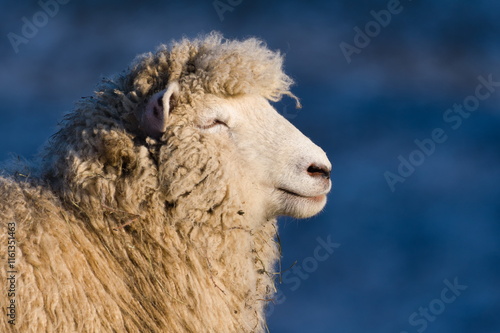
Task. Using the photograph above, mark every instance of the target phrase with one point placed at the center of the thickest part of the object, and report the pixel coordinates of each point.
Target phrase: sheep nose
(319, 170)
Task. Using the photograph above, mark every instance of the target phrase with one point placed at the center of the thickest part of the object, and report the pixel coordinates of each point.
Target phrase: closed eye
(213, 124)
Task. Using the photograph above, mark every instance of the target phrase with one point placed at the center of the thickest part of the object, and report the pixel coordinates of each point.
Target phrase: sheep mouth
(299, 196)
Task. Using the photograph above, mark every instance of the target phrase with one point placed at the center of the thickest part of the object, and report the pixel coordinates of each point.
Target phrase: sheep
(154, 206)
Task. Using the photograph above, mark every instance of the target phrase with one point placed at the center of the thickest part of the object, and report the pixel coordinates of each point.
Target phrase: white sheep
(154, 206)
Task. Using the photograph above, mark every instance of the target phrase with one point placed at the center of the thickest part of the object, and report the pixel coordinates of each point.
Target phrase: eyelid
(213, 124)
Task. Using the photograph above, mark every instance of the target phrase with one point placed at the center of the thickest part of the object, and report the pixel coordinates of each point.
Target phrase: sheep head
(215, 94)
(278, 169)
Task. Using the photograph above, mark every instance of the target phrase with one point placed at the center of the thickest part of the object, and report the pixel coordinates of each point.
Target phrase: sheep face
(280, 161)
(280, 170)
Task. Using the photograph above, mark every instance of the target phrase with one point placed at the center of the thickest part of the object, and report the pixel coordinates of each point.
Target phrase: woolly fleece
(119, 232)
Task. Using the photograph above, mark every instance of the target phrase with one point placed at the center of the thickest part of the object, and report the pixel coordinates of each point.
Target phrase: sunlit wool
(121, 230)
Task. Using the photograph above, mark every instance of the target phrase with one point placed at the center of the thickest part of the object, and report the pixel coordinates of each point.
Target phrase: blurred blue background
(394, 247)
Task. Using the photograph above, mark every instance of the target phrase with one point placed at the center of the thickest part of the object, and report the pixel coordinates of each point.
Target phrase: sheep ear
(155, 116)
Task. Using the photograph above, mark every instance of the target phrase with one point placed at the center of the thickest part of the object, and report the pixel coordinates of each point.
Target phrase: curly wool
(124, 233)
(215, 65)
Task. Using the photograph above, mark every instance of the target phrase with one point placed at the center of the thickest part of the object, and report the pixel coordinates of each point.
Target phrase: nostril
(316, 170)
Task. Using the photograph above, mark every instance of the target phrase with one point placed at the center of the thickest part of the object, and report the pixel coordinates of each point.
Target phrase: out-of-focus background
(404, 97)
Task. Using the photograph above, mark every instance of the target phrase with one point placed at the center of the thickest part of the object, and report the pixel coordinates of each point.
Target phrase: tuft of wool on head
(215, 65)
